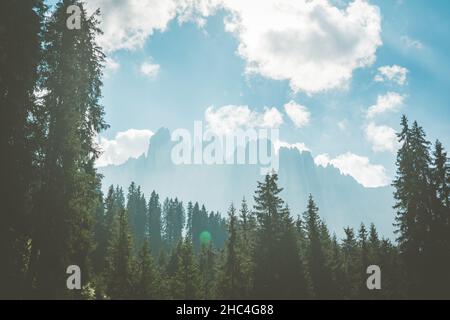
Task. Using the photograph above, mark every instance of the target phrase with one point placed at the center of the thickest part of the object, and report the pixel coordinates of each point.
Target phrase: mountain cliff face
(342, 201)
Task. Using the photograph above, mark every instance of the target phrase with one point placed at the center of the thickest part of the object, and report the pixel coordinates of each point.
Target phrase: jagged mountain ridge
(342, 201)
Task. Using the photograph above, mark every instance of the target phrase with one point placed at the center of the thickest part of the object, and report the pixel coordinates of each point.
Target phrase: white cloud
(322, 160)
(299, 114)
(313, 44)
(392, 73)
(128, 23)
(149, 69)
(300, 146)
(127, 144)
(227, 119)
(272, 118)
(360, 168)
(382, 138)
(391, 101)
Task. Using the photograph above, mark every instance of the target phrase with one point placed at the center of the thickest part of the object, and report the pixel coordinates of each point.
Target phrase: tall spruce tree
(100, 238)
(278, 269)
(68, 198)
(120, 260)
(439, 255)
(186, 281)
(363, 262)
(316, 255)
(21, 25)
(207, 267)
(147, 281)
(351, 268)
(174, 221)
(154, 224)
(231, 281)
(105, 229)
(137, 210)
(414, 199)
(247, 232)
(337, 269)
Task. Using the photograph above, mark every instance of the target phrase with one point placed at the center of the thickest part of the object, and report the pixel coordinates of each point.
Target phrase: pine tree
(190, 212)
(21, 25)
(316, 256)
(351, 268)
(337, 270)
(392, 275)
(174, 220)
(441, 175)
(374, 245)
(278, 269)
(120, 260)
(147, 283)
(414, 198)
(247, 232)
(439, 255)
(363, 262)
(100, 237)
(231, 281)
(207, 267)
(291, 274)
(247, 223)
(301, 236)
(186, 281)
(137, 210)
(67, 199)
(164, 284)
(154, 223)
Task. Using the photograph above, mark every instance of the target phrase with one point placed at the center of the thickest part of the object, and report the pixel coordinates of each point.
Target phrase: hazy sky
(334, 76)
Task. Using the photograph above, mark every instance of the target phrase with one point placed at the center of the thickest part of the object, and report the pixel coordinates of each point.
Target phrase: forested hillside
(131, 245)
(342, 200)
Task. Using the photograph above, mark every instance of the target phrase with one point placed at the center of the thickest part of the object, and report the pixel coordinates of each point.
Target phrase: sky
(334, 76)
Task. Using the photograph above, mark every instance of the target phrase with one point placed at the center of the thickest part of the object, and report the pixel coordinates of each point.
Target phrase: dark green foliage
(207, 267)
(422, 215)
(173, 222)
(119, 274)
(231, 279)
(154, 224)
(54, 214)
(185, 280)
(68, 190)
(278, 269)
(351, 268)
(200, 223)
(20, 135)
(147, 281)
(316, 256)
(137, 211)
(247, 230)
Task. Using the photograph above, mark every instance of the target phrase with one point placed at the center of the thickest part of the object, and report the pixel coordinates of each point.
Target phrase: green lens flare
(205, 237)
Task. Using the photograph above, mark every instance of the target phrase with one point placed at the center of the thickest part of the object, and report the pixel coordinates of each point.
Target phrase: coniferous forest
(131, 245)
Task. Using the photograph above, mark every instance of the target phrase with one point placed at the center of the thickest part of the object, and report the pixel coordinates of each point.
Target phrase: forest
(134, 246)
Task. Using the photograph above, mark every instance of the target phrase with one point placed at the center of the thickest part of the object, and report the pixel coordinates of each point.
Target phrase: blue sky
(193, 61)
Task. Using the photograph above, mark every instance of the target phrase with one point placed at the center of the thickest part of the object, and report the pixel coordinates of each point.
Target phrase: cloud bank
(359, 167)
(313, 44)
(126, 144)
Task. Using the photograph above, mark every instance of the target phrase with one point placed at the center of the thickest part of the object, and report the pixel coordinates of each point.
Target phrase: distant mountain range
(341, 200)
